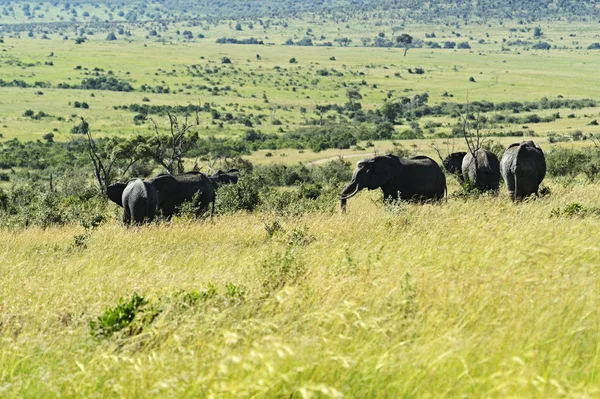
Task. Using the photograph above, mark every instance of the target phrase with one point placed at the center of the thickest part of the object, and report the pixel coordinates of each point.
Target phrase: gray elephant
(411, 179)
(139, 198)
(190, 186)
(523, 168)
(482, 170)
(219, 177)
(453, 164)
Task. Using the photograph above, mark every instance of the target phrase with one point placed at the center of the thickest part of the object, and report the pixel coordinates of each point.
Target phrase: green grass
(476, 298)
(527, 76)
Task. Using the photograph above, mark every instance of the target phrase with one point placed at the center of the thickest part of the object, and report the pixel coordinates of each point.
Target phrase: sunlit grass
(476, 298)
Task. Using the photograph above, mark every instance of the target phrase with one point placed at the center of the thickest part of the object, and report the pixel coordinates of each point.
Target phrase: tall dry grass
(473, 298)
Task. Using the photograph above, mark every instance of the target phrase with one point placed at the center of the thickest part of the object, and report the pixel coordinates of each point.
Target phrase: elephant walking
(187, 187)
(411, 179)
(482, 170)
(453, 164)
(523, 168)
(139, 199)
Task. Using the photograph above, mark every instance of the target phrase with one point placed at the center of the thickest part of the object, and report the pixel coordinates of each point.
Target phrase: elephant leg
(126, 216)
(510, 181)
(151, 213)
(167, 211)
(523, 187)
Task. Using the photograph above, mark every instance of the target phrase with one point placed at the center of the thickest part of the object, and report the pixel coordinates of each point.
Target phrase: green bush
(115, 319)
(566, 162)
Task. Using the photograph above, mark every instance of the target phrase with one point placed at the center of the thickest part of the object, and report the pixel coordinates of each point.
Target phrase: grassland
(517, 75)
(476, 298)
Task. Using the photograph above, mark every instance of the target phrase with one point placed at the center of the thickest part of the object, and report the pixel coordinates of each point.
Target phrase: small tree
(111, 36)
(405, 40)
(471, 127)
(170, 148)
(114, 156)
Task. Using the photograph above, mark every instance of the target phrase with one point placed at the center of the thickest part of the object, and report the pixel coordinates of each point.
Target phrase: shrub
(566, 162)
(541, 46)
(243, 196)
(280, 270)
(106, 83)
(117, 318)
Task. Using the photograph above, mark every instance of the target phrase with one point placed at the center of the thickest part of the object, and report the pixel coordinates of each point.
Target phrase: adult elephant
(139, 199)
(411, 179)
(219, 177)
(193, 187)
(523, 168)
(453, 164)
(482, 170)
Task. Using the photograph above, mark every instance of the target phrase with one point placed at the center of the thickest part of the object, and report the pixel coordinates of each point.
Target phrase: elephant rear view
(523, 168)
(138, 199)
(411, 179)
(482, 170)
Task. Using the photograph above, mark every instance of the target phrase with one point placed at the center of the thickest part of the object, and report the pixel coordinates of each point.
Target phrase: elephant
(219, 177)
(482, 170)
(190, 186)
(139, 198)
(453, 164)
(523, 168)
(415, 179)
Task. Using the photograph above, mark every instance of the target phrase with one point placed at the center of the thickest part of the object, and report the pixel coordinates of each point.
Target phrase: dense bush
(232, 40)
(286, 189)
(34, 204)
(106, 83)
(572, 162)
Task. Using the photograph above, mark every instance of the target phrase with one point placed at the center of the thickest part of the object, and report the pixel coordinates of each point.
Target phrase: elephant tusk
(351, 195)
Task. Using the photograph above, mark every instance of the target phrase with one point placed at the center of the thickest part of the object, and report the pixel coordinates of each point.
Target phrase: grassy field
(499, 76)
(473, 298)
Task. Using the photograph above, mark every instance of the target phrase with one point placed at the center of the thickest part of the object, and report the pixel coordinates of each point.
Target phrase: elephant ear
(115, 193)
(381, 170)
(165, 185)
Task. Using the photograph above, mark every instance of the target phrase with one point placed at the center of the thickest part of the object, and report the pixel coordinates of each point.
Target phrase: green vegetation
(279, 294)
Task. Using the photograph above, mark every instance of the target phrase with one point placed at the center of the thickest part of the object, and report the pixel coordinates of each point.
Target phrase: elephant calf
(523, 168)
(411, 179)
(482, 170)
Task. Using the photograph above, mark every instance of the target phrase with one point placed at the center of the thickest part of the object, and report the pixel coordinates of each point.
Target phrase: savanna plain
(278, 293)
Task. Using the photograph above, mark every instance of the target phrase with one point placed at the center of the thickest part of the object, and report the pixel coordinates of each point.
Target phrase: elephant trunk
(350, 191)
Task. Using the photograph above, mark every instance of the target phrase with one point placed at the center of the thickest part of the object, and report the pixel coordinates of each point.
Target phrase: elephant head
(453, 164)
(220, 177)
(114, 192)
(371, 174)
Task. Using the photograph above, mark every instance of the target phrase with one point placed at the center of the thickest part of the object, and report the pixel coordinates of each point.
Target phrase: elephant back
(530, 160)
(483, 169)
